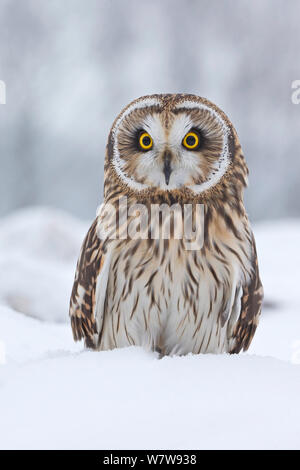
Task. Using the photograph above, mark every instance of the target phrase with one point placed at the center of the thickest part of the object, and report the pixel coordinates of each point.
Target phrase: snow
(56, 395)
(278, 334)
(38, 253)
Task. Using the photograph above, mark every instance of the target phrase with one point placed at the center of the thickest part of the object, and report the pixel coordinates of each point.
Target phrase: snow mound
(278, 333)
(28, 339)
(38, 253)
(128, 398)
(279, 260)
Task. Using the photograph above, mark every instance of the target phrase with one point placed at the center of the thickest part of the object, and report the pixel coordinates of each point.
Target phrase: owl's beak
(167, 165)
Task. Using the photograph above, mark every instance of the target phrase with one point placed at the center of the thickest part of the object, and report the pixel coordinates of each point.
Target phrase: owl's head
(171, 142)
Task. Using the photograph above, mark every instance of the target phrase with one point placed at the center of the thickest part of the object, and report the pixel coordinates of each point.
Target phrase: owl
(136, 284)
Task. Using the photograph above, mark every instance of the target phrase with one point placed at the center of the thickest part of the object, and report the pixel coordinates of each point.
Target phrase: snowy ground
(53, 394)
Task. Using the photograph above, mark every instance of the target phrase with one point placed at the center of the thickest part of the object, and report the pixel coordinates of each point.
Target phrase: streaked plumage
(154, 292)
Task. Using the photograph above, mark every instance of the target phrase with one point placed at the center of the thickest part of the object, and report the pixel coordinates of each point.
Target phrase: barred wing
(251, 301)
(87, 302)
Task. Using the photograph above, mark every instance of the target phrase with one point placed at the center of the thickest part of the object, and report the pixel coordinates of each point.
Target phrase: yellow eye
(145, 141)
(191, 140)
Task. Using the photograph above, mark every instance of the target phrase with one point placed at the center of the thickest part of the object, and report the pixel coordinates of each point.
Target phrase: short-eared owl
(136, 287)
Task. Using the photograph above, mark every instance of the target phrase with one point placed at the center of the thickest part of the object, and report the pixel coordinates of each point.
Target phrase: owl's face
(170, 142)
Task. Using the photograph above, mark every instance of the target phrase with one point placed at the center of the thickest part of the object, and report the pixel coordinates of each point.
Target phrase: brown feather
(82, 300)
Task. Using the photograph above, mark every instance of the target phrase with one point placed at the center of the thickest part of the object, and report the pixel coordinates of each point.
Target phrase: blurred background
(71, 65)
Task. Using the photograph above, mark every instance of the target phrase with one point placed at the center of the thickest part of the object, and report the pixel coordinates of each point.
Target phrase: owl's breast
(179, 300)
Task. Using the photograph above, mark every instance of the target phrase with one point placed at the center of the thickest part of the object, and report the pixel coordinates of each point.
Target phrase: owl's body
(157, 291)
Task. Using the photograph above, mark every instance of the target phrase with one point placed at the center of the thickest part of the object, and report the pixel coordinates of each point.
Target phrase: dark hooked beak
(167, 165)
